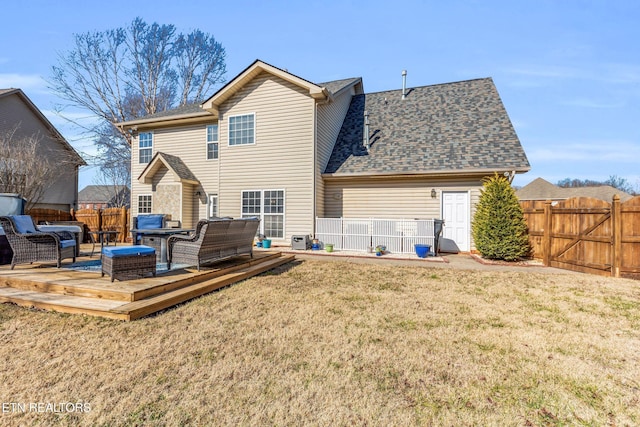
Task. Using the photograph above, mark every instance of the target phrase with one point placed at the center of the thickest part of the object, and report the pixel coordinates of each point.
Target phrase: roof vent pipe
(404, 84)
(366, 131)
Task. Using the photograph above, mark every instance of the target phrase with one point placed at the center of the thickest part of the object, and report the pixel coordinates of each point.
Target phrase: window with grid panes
(268, 205)
(144, 204)
(242, 129)
(145, 147)
(212, 142)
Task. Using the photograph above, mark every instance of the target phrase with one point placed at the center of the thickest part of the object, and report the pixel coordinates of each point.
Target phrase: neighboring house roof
(57, 135)
(101, 193)
(540, 189)
(175, 164)
(445, 128)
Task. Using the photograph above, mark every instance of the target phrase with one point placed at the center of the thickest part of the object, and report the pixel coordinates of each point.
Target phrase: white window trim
(153, 138)
(262, 213)
(255, 133)
(138, 202)
(207, 142)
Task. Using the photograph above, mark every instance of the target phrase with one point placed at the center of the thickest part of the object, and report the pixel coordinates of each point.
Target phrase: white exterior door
(455, 213)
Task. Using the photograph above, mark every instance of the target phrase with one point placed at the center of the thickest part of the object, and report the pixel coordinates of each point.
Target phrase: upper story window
(242, 129)
(212, 142)
(145, 147)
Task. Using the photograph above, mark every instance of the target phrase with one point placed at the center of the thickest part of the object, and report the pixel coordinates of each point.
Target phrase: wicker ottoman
(128, 262)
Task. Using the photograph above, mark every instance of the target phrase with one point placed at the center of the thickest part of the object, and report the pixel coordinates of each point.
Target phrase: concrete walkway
(457, 261)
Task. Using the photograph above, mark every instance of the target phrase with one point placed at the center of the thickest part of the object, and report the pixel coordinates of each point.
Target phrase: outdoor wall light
(197, 193)
(433, 193)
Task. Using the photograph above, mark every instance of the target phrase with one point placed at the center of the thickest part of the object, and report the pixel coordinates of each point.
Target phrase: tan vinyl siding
(188, 143)
(394, 198)
(63, 191)
(282, 156)
(189, 204)
(329, 121)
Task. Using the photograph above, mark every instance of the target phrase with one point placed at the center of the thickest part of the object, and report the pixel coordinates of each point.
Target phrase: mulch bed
(520, 263)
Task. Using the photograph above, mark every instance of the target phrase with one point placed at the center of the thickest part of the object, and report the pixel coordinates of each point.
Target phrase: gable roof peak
(253, 70)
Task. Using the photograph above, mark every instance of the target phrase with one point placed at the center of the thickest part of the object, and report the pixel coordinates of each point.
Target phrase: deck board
(82, 292)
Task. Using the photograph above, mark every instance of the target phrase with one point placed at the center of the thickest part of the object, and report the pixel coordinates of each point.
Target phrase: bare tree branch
(127, 73)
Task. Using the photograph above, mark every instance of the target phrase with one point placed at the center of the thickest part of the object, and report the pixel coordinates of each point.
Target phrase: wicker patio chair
(30, 245)
(146, 221)
(213, 241)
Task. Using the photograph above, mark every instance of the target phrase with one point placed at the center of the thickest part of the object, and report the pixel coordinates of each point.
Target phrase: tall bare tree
(28, 167)
(133, 71)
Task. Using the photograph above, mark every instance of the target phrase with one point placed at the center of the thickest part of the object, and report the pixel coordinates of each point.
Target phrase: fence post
(99, 213)
(546, 234)
(123, 224)
(616, 241)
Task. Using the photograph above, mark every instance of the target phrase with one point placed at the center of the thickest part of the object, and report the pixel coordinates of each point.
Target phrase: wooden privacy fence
(45, 215)
(114, 219)
(586, 235)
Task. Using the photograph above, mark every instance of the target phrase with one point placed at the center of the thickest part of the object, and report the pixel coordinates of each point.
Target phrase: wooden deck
(80, 292)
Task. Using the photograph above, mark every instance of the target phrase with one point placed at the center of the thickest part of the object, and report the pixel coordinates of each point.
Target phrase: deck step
(141, 308)
(92, 285)
(126, 310)
(62, 303)
(202, 276)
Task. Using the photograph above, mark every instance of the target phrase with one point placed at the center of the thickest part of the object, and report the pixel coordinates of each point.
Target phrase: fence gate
(580, 237)
(587, 235)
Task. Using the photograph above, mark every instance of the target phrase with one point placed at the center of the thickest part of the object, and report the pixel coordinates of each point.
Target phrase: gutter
(419, 174)
(167, 119)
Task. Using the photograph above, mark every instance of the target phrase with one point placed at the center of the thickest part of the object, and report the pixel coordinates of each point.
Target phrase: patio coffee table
(157, 238)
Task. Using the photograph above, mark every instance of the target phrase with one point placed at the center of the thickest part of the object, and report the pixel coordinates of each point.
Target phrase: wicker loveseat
(30, 245)
(213, 241)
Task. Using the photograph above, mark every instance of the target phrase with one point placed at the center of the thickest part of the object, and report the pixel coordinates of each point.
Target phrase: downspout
(315, 166)
(510, 175)
(218, 190)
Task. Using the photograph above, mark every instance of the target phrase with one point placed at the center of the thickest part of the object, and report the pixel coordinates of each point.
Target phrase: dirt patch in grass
(315, 343)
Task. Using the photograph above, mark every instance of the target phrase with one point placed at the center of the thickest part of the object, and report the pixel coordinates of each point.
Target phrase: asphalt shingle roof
(178, 111)
(441, 128)
(178, 166)
(332, 86)
(100, 193)
(336, 85)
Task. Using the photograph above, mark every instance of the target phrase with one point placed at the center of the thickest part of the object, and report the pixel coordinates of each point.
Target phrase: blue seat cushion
(24, 224)
(67, 243)
(150, 221)
(121, 251)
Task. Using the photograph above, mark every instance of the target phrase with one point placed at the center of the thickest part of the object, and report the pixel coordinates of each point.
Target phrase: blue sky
(568, 71)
